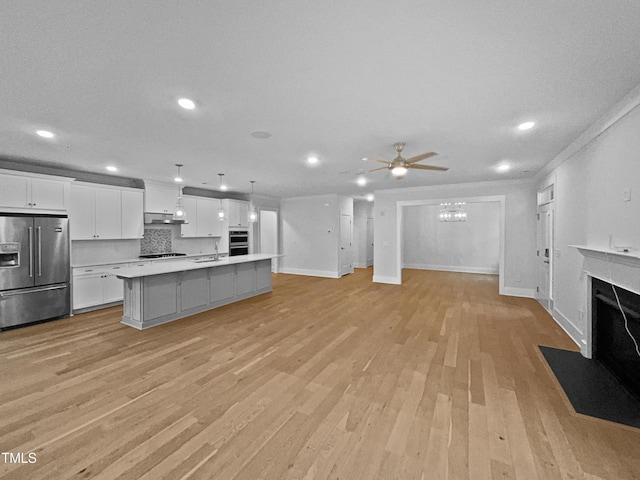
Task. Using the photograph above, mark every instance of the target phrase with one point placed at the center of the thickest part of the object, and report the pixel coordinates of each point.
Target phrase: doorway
(437, 201)
(369, 241)
(269, 235)
(346, 262)
(544, 248)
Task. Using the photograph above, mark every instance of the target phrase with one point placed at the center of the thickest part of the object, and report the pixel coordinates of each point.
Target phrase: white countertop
(185, 265)
(138, 259)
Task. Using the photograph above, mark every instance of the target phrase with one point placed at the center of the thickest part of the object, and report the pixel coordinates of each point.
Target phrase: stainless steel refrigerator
(34, 268)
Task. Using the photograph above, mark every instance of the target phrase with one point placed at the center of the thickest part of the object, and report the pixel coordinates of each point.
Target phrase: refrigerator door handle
(13, 293)
(39, 240)
(30, 252)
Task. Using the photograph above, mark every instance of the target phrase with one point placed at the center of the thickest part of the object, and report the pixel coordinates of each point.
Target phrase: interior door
(346, 264)
(545, 256)
(369, 242)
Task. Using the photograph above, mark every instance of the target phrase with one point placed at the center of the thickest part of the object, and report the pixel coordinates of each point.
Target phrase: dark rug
(591, 388)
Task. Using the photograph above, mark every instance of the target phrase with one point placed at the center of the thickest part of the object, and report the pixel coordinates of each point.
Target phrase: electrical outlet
(581, 314)
(626, 195)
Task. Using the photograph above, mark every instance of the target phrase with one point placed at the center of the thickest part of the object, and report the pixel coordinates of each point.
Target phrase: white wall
(311, 234)
(519, 225)
(362, 210)
(589, 205)
(268, 232)
(470, 246)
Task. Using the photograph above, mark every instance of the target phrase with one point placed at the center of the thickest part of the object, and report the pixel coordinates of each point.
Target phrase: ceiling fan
(399, 165)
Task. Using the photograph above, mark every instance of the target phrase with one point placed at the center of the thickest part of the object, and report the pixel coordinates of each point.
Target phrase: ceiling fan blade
(367, 159)
(376, 169)
(428, 167)
(424, 156)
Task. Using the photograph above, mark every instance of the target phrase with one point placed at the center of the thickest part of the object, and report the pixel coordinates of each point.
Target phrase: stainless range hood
(161, 219)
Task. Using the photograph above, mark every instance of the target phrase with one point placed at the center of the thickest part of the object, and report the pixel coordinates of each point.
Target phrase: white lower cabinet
(87, 291)
(94, 286)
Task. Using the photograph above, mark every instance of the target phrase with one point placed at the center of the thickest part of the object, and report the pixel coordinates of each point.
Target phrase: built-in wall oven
(238, 242)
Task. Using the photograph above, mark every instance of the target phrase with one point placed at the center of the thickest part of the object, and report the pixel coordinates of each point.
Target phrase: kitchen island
(163, 292)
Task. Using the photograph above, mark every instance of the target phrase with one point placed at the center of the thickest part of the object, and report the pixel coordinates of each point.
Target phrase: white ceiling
(340, 79)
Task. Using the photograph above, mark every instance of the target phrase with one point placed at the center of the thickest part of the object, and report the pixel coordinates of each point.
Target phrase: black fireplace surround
(612, 345)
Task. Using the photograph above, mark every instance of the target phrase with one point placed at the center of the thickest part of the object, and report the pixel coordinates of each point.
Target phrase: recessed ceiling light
(503, 167)
(187, 103)
(262, 135)
(526, 126)
(361, 181)
(312, 160)
(370, 197)
(45, 133)
(111, 168)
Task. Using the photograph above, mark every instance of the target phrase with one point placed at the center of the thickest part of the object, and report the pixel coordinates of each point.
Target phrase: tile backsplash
(155, 240)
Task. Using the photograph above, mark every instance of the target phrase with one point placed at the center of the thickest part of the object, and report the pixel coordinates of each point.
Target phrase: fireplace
(612, 344)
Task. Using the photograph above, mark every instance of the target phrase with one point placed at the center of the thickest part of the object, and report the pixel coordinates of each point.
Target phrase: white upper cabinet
(202, 215)
(189, 229)
(160, 198)
(34, 192)
(238, 212)
(208, 224)
(82, 212)
(132, 214)
(105, 213)
(108, 213)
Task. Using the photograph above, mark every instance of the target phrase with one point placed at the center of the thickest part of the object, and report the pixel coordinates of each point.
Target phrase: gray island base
(161, 293)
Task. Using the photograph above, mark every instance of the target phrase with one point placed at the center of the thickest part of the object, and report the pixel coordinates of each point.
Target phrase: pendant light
(253, 214)
(179, 212)
(222, 213)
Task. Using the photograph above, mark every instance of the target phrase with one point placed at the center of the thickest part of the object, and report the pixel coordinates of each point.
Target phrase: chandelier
(453, 212)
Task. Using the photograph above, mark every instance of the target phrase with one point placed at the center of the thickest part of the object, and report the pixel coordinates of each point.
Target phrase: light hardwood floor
(440, 378)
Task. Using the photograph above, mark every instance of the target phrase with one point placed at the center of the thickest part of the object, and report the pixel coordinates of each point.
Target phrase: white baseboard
(449, 268)
(309, 273)
(518, 292)
(570, 328)
(391, 280)
(359, 265)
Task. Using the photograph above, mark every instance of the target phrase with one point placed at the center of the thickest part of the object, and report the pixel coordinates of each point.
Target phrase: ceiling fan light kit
(399, 166)
(399, 172)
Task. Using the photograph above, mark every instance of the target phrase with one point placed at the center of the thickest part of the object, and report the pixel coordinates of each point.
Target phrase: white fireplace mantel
(621, 269)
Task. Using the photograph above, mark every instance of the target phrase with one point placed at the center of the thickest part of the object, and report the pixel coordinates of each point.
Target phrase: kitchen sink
(206, 260)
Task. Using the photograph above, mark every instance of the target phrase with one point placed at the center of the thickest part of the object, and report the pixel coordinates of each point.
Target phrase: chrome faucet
(215, 255)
